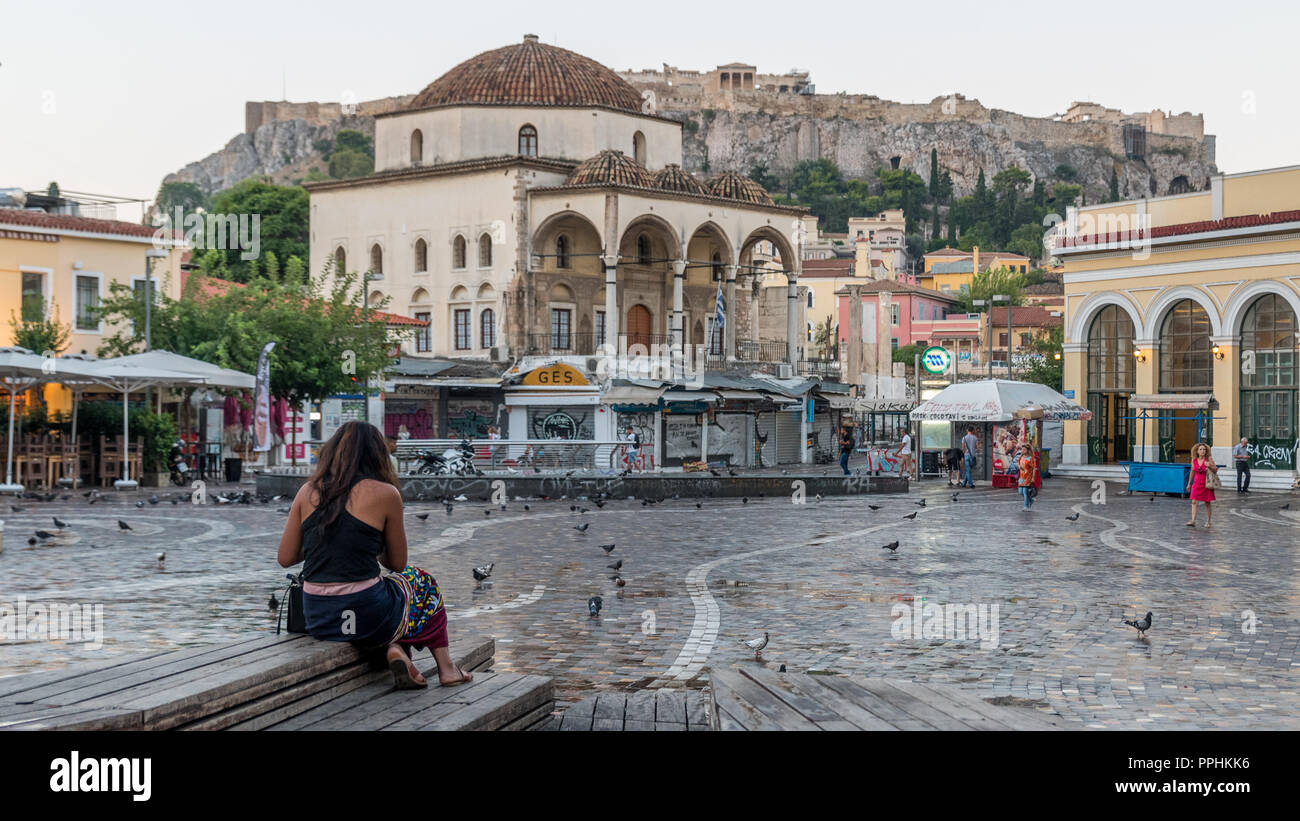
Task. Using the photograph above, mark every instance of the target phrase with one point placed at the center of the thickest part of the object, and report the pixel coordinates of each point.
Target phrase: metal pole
(989, 352)
(365, 399)
(1009, 339)
(148, 315)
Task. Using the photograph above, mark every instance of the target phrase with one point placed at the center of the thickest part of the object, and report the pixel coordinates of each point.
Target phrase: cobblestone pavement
(699, 581)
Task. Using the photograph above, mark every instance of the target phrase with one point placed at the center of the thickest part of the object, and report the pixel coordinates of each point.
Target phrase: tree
(934, 175)
(1113, 195)
(282, 212)
(760, 174)
(1050, 370)
(986, 284)
(38, 333)
(825, 339)
(187, 196)
(1027, 240)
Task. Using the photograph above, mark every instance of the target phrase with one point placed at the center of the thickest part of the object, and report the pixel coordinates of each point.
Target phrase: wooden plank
(12, 686)
(1016, 718)
(430, 706)
(640, 706)
(910, 704)
(532, 720)
(606, 725)
(634, 726)
(73, 718)
(579, 723)
(670, 706)
(872, 703)
(291, 700)
(518, 697)
(944, 702)
(696, 714)
(586, 707)
(756, 707)
(785, 688)
(727, 722)
(610, 707)
(672, 726)
(399, 706)
(846, 709)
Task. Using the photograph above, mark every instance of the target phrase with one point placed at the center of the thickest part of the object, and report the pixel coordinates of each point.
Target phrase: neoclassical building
(1185, 305)
(529, 201)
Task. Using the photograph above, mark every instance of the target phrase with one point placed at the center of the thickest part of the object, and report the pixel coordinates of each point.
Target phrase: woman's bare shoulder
(373, 489)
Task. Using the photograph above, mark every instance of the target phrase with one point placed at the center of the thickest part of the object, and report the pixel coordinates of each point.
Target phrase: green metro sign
(936, 360)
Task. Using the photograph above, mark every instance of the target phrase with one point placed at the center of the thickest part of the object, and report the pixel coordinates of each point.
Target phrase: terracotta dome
(610, 167)
(530, 73)
(673, 178)
(735, 186)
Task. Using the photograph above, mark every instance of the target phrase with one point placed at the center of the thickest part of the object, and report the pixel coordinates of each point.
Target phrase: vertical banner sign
(262, 408)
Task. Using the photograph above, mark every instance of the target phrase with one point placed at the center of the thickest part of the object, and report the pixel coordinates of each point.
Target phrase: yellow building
(949, 270)
(1182, 306)
(60, 266)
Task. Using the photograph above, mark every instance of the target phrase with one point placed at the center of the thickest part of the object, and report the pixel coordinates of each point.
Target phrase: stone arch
(655, 227)
(1159, 306)
(486, 291)
(1084, 314)
(789, 260)
(560, 292)
(420, 296)
(459, 293)
(1241, 299)
(572, 225)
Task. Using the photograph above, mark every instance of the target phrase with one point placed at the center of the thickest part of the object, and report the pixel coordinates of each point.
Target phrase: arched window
(1186, 364)
(421, 256)
(376, 259)
(528, 141)
(561, 251)
(643, 250)
(485, 251)
(715, 266)
(417, 147)
(1112, 376)
(1269, 376)
(638, 148)
(458, 252)
(1179, 185)
(487, 329)
(340, 260)
(810, 298)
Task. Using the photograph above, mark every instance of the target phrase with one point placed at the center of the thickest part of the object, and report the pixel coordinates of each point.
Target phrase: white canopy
(21, 370)
(996, 400)
(166, 361)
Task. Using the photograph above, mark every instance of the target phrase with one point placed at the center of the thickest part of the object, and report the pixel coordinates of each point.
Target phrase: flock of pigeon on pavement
(480, 573)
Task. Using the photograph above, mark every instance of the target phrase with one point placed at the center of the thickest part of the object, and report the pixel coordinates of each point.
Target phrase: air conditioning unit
(497, 354)
(784, 370)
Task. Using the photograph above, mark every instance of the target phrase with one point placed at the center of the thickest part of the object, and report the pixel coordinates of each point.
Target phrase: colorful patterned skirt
(404, 608)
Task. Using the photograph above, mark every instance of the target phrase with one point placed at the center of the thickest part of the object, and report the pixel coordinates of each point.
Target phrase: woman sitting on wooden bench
(345, 522)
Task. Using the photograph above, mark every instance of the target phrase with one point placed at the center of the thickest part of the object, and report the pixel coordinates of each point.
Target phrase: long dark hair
(356, 451)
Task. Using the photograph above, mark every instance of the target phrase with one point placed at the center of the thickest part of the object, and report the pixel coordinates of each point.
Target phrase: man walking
(846, 448)
(1241, 455)
(969, 444)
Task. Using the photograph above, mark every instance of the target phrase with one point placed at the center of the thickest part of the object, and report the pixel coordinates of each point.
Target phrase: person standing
(969, 445)
(904, 453)
(1241, 455)
(1202, 468)
(1027, 475)
(633, 448)
(953, 461)
(494, 434)
(846, 448)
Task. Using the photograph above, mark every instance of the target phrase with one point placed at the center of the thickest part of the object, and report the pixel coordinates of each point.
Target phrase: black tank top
(348, 553)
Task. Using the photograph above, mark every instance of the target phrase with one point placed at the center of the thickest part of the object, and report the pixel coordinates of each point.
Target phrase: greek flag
(720, 314)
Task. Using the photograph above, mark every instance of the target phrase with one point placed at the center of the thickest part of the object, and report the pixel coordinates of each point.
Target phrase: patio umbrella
(21, 370)
(997, 400)
(213, 375)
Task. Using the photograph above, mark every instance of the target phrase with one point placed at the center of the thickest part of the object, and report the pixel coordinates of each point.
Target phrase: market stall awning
(996, 400)
(838, 401)
(740, 395)
(1174, 401)
(689, 396)
(883, 405)
(632, 395)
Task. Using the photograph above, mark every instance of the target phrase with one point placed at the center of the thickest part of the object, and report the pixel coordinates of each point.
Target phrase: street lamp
(988, 352)
(149, 256)
(367, 278)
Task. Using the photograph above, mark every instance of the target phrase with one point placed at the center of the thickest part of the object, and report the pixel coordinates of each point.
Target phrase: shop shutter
(787, 436)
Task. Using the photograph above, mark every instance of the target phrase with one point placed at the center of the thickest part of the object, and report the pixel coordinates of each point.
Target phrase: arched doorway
(1186, 366)
(1111, 380)
(1269, 376)
(639, 326)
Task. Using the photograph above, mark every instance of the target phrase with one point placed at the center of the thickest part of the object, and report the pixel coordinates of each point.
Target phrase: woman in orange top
(1028, 468)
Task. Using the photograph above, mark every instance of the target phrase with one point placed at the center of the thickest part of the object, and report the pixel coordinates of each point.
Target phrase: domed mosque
(530, 202)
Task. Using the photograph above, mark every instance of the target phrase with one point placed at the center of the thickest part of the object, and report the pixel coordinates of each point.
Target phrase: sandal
(405, 676)
(465, 678)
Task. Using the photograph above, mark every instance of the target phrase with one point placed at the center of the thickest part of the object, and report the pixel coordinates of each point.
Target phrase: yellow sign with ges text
(558, 375)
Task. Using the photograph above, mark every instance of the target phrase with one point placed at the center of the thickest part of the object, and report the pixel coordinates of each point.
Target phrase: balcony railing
(819, 367)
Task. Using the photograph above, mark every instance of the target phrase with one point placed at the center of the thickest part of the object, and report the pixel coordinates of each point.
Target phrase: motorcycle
(180, 473)
(457, 461)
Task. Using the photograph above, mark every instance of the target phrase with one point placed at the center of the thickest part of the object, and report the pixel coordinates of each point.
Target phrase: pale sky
(110, 97)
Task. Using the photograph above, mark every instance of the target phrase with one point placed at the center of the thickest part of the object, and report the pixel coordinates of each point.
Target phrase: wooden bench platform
(643, 710)
(757, 699)
(258, 682)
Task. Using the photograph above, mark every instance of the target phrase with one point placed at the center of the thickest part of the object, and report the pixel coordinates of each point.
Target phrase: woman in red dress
(1202, 466)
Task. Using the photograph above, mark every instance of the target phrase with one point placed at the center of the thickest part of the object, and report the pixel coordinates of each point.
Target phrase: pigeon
(60, 524)
(1286, 506)
(582, 528)
(153, 500)
(920, 503)
(527, 508)
(782, 670)
(121, 525)
(481, 573)
(608, 548)
(1073, 518)
(283, 509)
(911, 515)
(580, 510)
(44, 534)
(892, 546)
(273, 604)
(745, 500)
(31, 540)
(593, 606)
(1142, 626)
(487, 513)
(618, 580)
(715, 473)
(819, 497)
(874, 507)
(503, 508)
(698, 505)
(731, 472)
(618, 565)
(954, 496)
(757, 646)
(16, 508)
(449, 509)
(422, 516)
(162, 557)
(572, 508)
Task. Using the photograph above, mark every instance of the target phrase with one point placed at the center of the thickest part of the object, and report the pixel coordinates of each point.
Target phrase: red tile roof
(1182, 228)
(834, 267)
(64, 222)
